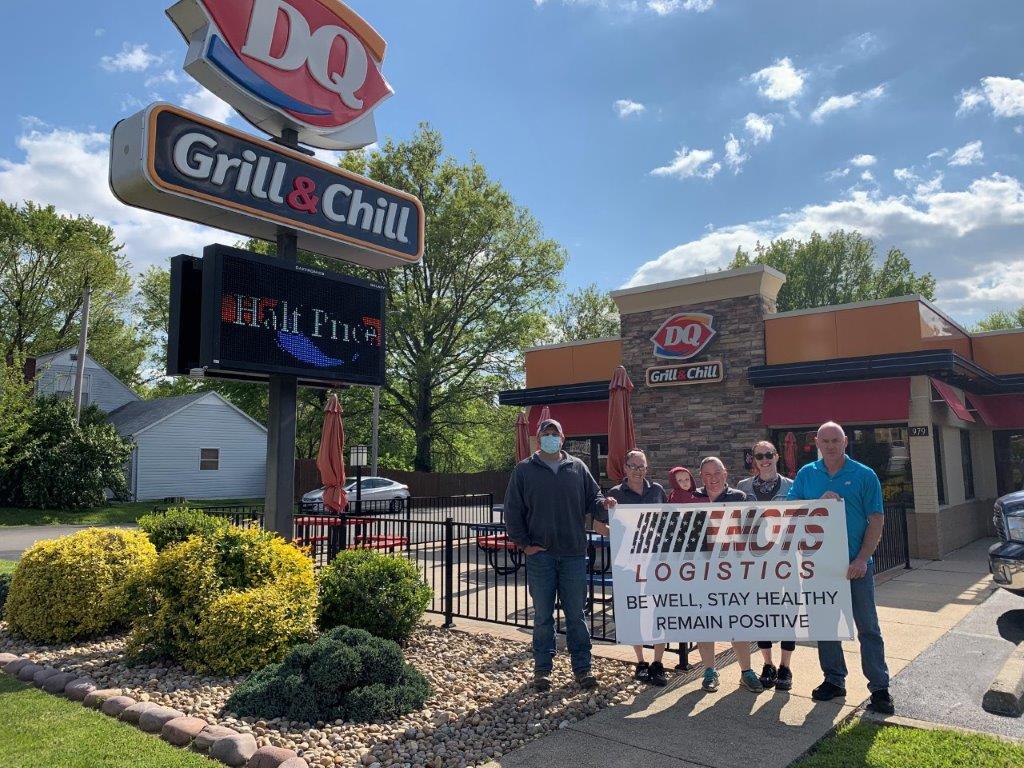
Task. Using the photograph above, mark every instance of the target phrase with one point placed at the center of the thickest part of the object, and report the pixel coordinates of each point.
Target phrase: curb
(237, 748)
(1006, 694)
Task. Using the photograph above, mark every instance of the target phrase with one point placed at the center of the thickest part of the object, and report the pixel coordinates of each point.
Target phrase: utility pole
(374, 441)
(83, 337)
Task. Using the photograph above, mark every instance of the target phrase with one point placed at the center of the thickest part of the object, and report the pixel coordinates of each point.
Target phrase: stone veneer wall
(680, 425)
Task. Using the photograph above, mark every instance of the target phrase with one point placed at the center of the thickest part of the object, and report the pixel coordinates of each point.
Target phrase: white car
(374, 489)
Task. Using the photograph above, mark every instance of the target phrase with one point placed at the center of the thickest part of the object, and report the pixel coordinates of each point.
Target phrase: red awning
(850, 402)
(577, 419)
(999, 411)
(948, 394)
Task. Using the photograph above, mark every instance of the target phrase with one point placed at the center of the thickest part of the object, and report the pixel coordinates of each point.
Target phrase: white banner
(740, 571)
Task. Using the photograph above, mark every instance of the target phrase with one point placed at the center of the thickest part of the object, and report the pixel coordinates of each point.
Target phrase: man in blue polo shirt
(836, 476)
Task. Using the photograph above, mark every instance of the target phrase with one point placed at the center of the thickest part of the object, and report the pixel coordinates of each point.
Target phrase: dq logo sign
(683, 336)
(311, 65)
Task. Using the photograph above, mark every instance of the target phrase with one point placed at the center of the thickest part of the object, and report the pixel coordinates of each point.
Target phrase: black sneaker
(643, 669)
(657, 675)
(542, 681)
(828, 691)
(586, 680)
(881, 703)
(769, 676)
(784, 682)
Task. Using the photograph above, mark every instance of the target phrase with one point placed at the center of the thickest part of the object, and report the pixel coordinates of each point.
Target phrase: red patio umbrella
(789, 448)
(621, 434)
(522, 436)
(331, 459)
(545, 413)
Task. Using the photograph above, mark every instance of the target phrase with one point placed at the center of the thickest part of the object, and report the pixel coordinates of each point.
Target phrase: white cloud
(658, 7)
(734, 156)
(847, 101)
(690, 162)
(972, 240)
(926, 188)
(867, 176)
(837, 173)
(906, 175)
(759, 127)
(626, 108)
(863, 161)
(69, 170)
(665, 7)
(781, 81)
(208, 105)
(132, 58)
(937, 154)
(1004, 95)
(969, 154)
(168, 77)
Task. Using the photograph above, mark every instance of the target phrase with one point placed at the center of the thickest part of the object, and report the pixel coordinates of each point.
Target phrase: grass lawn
(868, 744)
(7, 566)
(124, 513)
(39, 730)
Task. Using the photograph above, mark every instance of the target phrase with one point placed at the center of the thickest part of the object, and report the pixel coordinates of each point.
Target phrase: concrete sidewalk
(681, 726)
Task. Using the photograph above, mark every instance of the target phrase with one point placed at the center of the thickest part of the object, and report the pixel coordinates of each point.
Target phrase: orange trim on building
(574, 363)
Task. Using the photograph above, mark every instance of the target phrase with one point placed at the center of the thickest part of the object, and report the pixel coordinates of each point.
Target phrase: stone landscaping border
(218, 742)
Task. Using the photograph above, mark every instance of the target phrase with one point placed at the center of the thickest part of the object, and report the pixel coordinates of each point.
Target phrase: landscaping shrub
(85, 584)
(382, 594)
(228, 602)
(5, 587)
(178, 524)
(347, 674)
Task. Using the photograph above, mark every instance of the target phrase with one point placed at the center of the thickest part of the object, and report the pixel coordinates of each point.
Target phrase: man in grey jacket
(548, 498)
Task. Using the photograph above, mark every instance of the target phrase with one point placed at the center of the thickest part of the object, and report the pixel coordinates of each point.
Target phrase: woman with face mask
(769, 485)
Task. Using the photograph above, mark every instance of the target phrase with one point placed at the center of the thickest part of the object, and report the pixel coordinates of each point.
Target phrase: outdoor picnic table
(492, 539)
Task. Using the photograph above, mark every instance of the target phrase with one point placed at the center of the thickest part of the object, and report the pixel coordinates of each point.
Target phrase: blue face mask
(550, 443)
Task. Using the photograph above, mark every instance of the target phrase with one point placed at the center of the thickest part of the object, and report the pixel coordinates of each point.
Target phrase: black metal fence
(894, 548)
(241, 515)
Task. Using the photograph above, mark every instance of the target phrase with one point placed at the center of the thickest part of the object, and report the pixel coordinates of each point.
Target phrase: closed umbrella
(522, 436)
(621, 434)
(789, 446)
(331, 458)
(545, 413)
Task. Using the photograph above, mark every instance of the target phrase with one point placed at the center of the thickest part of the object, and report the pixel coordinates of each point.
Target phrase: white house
(197, 446)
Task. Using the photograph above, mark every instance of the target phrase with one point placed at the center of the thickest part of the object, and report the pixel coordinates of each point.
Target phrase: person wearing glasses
(716, 488)
(637, 489)
(769, 485)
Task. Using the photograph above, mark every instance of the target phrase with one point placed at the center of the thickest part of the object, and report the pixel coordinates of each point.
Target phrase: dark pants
(869, 634)
(551, 576)
(787, 645)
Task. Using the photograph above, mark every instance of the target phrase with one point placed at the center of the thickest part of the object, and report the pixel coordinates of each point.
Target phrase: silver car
(375, 491)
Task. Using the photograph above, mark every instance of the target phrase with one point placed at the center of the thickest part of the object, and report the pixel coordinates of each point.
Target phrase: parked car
(1006, 559)
(375, 490)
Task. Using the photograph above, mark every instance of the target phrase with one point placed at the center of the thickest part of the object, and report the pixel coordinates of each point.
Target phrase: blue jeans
(872, 648)
(566, 577)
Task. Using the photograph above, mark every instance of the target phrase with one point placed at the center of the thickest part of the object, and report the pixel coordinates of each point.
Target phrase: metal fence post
(906, 536)
(449, 569)
(407, 503)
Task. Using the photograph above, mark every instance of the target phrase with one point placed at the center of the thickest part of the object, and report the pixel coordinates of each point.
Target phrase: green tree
(15, 409)
(585, 313)
(46, 259)
(1002, 320)
(837, 269)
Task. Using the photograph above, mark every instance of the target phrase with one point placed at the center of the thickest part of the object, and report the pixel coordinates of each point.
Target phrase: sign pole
(283, 396)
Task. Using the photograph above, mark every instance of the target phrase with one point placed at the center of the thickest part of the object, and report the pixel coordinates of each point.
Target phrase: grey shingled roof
(134, 417)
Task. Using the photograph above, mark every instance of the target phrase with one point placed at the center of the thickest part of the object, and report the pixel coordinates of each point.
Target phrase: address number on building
(918, 431)
(708, 372)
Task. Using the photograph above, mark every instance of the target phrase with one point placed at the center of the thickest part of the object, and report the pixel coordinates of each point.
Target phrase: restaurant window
(1009, 450)
(592, 451)
(968, 465)
(884, 448)
(209, 458)
(940, 480)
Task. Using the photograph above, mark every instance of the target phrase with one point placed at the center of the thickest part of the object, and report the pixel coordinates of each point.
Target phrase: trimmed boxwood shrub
(178, 524)
(383, 594)
(5, 586)
(78, 586)
(229, 602)
(347, 674)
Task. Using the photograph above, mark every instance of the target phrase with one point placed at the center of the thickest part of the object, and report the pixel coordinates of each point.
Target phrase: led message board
(237, 314)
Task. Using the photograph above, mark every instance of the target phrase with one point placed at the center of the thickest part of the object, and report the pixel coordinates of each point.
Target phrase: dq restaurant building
(936, 411)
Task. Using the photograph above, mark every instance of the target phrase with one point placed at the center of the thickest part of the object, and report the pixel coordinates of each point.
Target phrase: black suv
(1006, 559)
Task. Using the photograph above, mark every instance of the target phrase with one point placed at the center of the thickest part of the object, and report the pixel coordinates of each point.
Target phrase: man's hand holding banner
(741, 571)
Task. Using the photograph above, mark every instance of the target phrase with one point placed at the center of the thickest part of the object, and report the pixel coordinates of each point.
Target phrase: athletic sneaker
(785, 679)
(643, 669)
(750, 681)
(769, 676)
(542, 681)
(881, 702)
(710, 681)
(828, 691)
(586, 680)
(657, 675)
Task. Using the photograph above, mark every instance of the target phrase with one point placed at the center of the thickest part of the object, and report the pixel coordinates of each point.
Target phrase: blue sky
(650, 138)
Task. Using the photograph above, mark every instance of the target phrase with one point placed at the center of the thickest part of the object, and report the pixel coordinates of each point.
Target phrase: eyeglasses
(763, 456)
(636, 468)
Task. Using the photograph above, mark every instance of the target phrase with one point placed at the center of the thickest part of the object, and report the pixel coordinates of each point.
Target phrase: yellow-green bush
(228, 602)
(81, 585)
